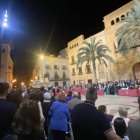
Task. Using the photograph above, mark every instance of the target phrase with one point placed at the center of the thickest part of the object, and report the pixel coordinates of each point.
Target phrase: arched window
(122, 17)
(88, 69)
(117, 19)
(112, 22)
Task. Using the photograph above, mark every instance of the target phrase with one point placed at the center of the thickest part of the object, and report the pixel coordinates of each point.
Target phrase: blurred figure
(35, 95)
(74, 101)
(134, 127)
(69, 96)
(15, 96)
(102, 108)
(120, 128)
(88, 123)
(122, 112)
(7, 111)
(26, 124)
(60, 115)
(46, 104)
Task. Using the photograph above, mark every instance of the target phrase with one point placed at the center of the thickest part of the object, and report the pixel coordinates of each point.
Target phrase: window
(73, 71)
(117, 19)
(80, 70)
(72, 59)
(56, 76)
(47, 66)
(3, 50)
(122, 17)
(64, 76)
(88, 69)
(55, 67)
(112, 22)
(63, 67)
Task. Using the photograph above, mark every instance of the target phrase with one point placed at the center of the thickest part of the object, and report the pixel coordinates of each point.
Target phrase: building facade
(124, 67)
(6, 73)
(51, 70)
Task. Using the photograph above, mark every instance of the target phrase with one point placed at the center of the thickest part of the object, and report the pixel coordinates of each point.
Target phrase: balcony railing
(80, 73)
(88, 72)
(73, 74)
(73, 63)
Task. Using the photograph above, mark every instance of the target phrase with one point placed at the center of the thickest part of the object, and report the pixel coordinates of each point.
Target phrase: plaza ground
(112, 103)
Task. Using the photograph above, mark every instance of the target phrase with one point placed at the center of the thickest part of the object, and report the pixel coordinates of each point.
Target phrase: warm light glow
(41, 56)
(14, 80)
(22, 84)
(31, 80)
(36, 77)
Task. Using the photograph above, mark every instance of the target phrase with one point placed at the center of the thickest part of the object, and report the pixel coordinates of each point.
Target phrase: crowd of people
(43, 114)
(109, 87)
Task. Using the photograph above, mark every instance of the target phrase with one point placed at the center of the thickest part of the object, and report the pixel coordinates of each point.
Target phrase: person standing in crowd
(7, 111)
(134, 127)
(122, 112)
(89, 123)
(60, 116)
(46, 104)
(103, 109)
(26, 123)
(120, 128)
(69, 96)
(35, 95)
(74, 101)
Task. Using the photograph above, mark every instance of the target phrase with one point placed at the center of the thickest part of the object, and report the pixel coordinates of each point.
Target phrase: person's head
(120, 127)
(122, 111)
(15, 97)
(69, 93)
(4, 89)
(35, 95)
(27, 118)
(102, 108)
(61, 97)
(91, 94)
(75, 95)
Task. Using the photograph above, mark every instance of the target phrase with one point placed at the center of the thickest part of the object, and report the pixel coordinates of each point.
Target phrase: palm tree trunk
(94, 71)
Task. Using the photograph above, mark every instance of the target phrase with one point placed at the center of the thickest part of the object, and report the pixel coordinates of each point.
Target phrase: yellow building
(51, 70)
(6, 73)
(125, 67)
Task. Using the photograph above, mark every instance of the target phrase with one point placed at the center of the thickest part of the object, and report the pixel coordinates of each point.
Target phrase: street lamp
(4, 24)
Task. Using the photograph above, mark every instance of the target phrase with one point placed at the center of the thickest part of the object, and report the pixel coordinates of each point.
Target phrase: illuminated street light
(41, 56)
(5, 20)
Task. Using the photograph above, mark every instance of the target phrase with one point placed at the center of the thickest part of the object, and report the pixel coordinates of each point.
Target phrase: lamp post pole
(4, 24)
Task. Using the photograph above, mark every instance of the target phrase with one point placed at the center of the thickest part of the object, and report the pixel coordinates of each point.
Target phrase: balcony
(73, 74)
(73, 63)
(64, 68)
(80, 73)
(88, 72)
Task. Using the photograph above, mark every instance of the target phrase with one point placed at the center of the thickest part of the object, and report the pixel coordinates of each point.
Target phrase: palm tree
(92, 51)
(128, 35)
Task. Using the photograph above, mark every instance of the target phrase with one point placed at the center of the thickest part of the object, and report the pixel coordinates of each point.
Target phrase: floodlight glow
(5, 24)
(5, 20)
(6, 15)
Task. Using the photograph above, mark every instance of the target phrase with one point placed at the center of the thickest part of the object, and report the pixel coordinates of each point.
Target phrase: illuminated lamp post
(4, 24)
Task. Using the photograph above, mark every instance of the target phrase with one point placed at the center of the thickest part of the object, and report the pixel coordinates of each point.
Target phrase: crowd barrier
(129, 92)
(83, 91)
(121, 92)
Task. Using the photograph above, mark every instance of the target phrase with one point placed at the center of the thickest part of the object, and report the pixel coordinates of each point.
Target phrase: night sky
(48, 25)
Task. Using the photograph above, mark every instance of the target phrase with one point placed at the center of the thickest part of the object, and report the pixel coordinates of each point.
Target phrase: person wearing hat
(46, 104)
